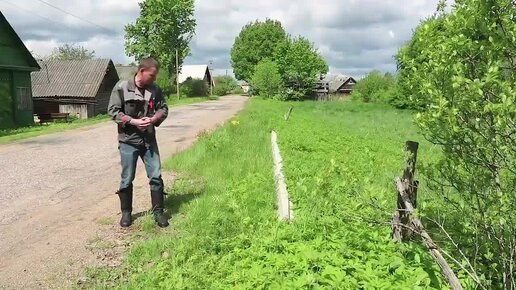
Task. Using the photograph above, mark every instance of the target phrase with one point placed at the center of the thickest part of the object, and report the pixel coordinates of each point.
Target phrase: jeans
(150, 155)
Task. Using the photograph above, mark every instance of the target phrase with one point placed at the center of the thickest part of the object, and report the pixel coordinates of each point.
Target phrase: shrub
(194, 88)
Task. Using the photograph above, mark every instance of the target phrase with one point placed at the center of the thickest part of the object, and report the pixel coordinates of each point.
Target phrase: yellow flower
(235, 122)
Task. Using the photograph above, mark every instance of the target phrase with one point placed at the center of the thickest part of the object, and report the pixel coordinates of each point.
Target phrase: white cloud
(353, 36)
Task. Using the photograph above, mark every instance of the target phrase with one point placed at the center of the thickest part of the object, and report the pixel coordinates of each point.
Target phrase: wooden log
(396, 227)
(427, 240)
(284, 205)
(410, 186)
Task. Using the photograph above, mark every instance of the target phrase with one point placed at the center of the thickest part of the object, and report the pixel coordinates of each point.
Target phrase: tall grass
(339, 160)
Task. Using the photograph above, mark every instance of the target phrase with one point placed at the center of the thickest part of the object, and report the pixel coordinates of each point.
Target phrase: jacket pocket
(134, 106)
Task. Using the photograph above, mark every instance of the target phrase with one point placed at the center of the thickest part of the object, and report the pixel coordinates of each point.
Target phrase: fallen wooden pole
(284, 204)
(427, 240)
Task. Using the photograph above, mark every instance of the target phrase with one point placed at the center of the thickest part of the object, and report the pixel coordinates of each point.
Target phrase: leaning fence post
(287, 114)
(403, 225)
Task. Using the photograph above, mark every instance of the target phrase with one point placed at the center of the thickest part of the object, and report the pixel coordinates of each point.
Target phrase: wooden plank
(284, 205)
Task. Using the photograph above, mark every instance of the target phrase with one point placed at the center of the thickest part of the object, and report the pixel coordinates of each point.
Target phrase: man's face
(148, 75)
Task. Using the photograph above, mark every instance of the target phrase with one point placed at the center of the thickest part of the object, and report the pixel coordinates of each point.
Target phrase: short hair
(147, 63)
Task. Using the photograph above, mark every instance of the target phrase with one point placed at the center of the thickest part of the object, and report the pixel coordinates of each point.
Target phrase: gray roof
(70, 78)
(126, 72)
(336, 81)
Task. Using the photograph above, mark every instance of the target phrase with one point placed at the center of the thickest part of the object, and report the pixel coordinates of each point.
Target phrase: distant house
(244, 85)
(126, 72)
(341, 84)
(200, 72)
(16, 64)
(79, 87)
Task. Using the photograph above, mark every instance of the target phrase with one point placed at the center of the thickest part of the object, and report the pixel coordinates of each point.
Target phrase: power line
(78, 17)
(31, 12)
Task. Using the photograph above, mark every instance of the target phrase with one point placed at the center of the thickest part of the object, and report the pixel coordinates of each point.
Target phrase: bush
(375, 88)
(194, 88)
(164, 81)
(266, 80)
(224, 85)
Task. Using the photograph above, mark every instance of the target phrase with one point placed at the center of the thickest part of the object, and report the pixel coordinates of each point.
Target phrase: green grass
(172, 100)
(339, 161)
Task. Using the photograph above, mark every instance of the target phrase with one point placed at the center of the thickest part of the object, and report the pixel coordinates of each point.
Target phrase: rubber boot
(126, 205)
(158, 205)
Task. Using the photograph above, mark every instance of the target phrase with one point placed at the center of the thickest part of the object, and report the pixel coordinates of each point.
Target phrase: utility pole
(177, 74)
(211, 78)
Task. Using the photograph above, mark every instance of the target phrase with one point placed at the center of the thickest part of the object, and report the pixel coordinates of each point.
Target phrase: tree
(256, 42)
(409, 60)
(299, 64)
(375, 87)
(266, 80)
(162, 27)
(462, 65)
(71, 52)
(224, 85)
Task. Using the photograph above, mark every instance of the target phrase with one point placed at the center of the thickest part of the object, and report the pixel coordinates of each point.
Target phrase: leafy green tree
(410, 94)
(375, 87)
(299, 64)
(266, 80)
(162, 27)
(256, 42)
(224, 85)
(462, 67)
(71, 52)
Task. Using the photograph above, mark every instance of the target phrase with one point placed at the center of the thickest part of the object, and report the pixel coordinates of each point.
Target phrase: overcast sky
(354, 36)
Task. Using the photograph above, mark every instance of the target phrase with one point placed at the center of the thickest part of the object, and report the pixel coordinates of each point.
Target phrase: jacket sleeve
(115, 108)
(161, 109)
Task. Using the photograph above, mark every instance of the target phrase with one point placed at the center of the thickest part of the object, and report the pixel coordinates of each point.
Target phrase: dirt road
(54, 189)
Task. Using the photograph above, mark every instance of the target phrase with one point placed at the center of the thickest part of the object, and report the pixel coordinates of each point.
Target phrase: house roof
(18, 51)
(126, 72)
(70, 78)
(193, 71)
(336, 81)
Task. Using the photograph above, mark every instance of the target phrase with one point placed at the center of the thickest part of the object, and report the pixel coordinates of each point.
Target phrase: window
(24, 98)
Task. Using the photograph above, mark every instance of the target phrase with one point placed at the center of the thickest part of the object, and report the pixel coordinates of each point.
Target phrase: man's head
(147, 70)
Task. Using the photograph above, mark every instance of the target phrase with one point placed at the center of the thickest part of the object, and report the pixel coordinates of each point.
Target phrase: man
(137, 106)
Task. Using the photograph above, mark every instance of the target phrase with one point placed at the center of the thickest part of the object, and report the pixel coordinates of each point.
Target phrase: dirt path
(54, 189)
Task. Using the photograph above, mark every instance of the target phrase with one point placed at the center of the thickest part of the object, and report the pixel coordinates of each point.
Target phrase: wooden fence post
(287, 114)
(403, 225)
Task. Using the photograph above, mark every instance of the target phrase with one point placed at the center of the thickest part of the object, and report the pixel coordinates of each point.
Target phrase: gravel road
(53, 189)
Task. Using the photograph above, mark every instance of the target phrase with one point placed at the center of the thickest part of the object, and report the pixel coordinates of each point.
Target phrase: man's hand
(142, 123)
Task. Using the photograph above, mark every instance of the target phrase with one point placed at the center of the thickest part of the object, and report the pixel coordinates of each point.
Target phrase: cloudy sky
(354, 36)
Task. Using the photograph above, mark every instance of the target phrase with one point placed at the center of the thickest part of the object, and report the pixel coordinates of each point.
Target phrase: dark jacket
(127, 102)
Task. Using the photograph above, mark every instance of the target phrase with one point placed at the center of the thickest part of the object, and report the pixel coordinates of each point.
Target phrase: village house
(200, 72)
(16, 64)
(79, 87)
(341, 84)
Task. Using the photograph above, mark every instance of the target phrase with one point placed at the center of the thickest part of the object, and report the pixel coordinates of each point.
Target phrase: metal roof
(192, 71)
(70, 78)
(336, 81)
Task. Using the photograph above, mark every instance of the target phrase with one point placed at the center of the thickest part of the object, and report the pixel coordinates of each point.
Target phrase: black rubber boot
(126, 205)
(158, 204)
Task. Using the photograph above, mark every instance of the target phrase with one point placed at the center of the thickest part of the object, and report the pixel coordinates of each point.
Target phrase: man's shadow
(173, 203)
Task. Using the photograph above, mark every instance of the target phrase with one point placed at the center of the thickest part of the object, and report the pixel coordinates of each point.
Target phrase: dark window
(24, 98)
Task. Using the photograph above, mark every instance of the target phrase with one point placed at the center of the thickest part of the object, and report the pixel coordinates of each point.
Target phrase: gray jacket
(127, 102)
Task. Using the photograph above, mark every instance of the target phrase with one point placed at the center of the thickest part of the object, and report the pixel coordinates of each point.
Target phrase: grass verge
(339, 161)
